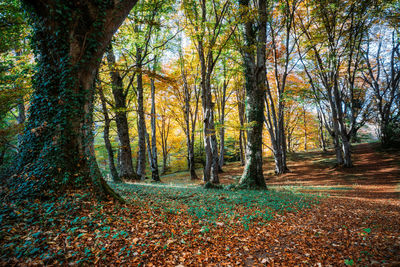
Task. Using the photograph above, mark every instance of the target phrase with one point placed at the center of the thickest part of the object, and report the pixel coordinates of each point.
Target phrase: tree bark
(126, 167)
(55, 154)
(153, 159)
(255, 75)
(141, 168)
(241, 110)
(21, 120)
(106, 136)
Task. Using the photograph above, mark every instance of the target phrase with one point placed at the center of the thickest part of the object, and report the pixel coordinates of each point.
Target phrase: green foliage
(12, 24)
(391, 134)
(349, 262)
(211, 206)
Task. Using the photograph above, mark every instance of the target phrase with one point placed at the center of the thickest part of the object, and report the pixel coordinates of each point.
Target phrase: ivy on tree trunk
(69, 41)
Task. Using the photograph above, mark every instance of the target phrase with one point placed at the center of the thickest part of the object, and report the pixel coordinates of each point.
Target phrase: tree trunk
(192, 167)
(321, 132)
(346, 152)
(126, 167)
(242, 137)
(210, 172)
(215, 167)
(153, 159)
(141, 168)
(106, 136)
(56, 143)
(189, 120)
(242, 160)
(221, 145)
(255, 75)
(222, 123)
(305, 128)
(21, 120)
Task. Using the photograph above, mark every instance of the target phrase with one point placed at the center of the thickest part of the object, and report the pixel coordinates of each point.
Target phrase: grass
(212, 206)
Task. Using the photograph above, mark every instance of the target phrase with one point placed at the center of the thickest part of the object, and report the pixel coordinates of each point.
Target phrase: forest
(200, 132)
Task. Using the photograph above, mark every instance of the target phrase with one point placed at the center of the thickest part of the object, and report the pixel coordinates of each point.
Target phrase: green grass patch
(211, 206)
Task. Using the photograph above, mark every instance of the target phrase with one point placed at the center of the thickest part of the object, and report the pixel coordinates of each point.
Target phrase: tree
(255, 75)
(188, 94)
(153, 148)
(333, 34)
(207, 22)
(120, 106)
(106, 136)
(57, 145)
(383, 76)
(280, 28)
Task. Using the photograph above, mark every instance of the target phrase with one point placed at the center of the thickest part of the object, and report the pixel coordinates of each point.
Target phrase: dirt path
(375, 176)
(358, 224)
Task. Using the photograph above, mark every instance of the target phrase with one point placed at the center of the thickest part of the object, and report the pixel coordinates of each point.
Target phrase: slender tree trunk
(126, 167)
(222, 146)
(154, 162)
(242, 138)
(189, 120)
(106, 136)
(305, 128)
(321, 132)
(242, 159)
(56, 144)
(141, 168)
(255, 74)
(222, 123)
(21, 120)
(192, 167)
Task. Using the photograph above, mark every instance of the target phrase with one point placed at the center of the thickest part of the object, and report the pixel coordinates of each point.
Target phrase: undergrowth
(242, 207)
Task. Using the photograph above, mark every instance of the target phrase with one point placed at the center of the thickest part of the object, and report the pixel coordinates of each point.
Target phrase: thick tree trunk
(346, 147)
(56, 144)
(215, 167)
(141, 168)
(153, 159)
(338, 150)
(106, 136)
(210, 172)
(255, 74)
(126, 167)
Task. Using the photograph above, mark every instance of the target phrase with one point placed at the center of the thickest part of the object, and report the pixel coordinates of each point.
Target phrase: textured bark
(240, 95)
(190, 120)
(164, 134)
(321, 132)
(141, 167)
(153, 155)
(221, 111)
(56, 140)
(255, 74)
(106, 136)
(242, 159)
(126, 167)
(210, 172)
(305, 128)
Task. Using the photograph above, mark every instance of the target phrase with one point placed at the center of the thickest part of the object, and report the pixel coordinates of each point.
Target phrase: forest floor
(314, 215)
